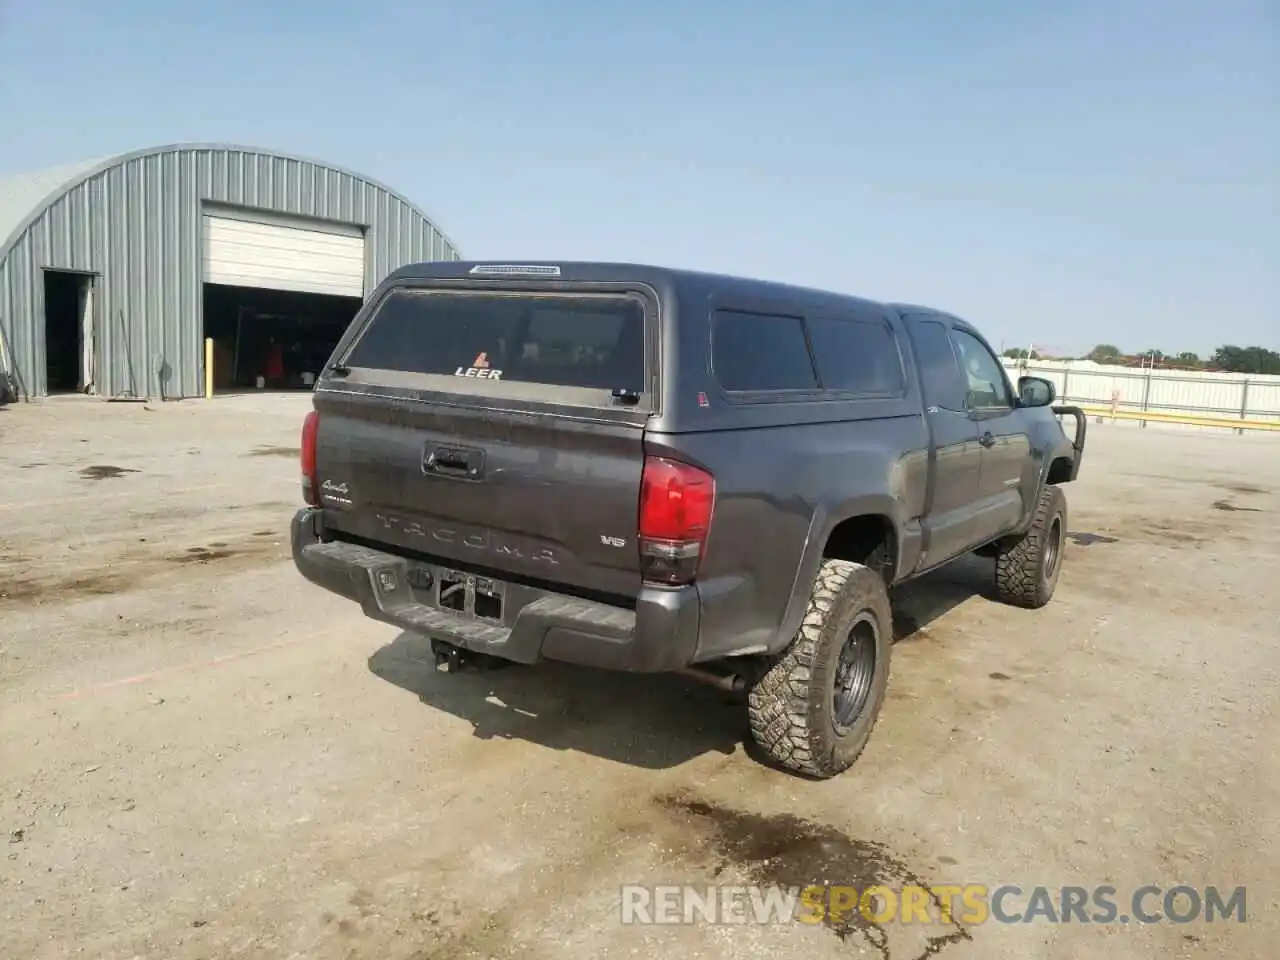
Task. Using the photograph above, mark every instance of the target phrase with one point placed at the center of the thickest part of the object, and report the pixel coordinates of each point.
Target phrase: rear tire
(814, 709)
(1027, 571)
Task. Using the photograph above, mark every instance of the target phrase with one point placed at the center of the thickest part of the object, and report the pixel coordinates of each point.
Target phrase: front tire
(1027, 572)
(814, 709)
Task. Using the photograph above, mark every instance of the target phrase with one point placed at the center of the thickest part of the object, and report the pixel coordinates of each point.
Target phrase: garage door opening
(280, 336)
(68, 331)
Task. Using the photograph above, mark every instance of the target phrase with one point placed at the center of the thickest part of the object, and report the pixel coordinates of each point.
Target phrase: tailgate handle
(465, 463)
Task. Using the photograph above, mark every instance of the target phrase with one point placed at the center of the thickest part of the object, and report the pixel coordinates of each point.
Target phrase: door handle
(987, 439)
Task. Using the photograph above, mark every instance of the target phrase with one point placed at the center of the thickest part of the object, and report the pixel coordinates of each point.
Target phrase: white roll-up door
(240, 251)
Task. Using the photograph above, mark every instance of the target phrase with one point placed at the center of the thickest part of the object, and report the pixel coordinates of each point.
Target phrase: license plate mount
(482, 598)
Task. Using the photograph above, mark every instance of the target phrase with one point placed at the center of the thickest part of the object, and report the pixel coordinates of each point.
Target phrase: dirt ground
(204, 756)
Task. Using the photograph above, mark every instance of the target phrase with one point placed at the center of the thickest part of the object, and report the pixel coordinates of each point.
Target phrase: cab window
(944, 386)
(987, 383)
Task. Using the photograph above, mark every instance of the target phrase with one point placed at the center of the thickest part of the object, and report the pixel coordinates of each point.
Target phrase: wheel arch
(854, 532)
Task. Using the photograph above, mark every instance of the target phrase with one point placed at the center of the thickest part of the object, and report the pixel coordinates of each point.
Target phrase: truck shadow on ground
(919, 604)
(648, 721)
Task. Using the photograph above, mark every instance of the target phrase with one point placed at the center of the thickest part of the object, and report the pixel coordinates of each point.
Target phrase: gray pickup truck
(643, 469)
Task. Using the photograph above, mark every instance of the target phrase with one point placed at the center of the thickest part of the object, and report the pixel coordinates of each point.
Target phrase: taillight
(310, 481)
(676, 502)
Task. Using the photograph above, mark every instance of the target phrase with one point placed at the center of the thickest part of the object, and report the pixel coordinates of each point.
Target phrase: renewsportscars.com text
(968, 904)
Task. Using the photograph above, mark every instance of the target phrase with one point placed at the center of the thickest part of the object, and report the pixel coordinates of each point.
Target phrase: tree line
(1228, 358)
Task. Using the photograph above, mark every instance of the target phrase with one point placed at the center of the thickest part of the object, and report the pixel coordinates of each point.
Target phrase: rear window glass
(756, 351)
(860, 356)
(588, 342)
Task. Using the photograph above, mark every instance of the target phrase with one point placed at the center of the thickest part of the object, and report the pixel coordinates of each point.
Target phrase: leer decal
(479, 369)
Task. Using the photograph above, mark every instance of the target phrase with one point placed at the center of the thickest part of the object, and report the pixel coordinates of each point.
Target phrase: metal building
(115, 270)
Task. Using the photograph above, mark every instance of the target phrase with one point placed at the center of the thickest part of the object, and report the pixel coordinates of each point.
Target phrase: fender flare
(1082, 429)
(1056, 445)
(821, 525)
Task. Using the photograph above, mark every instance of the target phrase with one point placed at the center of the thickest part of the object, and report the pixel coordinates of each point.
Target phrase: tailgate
(502, 431)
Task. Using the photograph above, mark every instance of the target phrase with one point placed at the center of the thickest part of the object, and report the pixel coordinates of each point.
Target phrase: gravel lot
(203, 756)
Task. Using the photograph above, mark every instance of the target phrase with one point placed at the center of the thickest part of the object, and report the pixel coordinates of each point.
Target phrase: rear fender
(820, 528)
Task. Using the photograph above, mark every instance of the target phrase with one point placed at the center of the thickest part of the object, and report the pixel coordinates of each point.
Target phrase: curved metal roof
(24, 196)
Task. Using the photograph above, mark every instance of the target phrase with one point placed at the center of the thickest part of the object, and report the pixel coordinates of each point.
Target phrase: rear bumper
(659, 635)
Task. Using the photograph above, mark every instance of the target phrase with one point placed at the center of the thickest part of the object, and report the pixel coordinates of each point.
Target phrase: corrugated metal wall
(1185, 392)
(136, 224)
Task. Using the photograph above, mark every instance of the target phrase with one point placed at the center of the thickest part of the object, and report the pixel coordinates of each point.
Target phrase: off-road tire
(791, 708)
(1027, 571)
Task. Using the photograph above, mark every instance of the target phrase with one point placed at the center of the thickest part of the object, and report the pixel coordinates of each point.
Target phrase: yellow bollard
(208, 368)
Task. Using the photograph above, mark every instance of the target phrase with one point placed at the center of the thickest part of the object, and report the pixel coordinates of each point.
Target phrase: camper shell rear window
(585, 341)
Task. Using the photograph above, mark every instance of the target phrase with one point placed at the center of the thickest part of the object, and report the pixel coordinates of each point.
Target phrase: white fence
(1189, 393)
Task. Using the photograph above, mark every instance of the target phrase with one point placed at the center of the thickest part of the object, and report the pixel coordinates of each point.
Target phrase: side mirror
(1035, 392)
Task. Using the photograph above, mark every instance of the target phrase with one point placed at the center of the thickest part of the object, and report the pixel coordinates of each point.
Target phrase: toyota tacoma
(653, 470)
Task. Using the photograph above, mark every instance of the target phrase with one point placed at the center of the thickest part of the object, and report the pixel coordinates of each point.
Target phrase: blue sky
(1062, 173)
